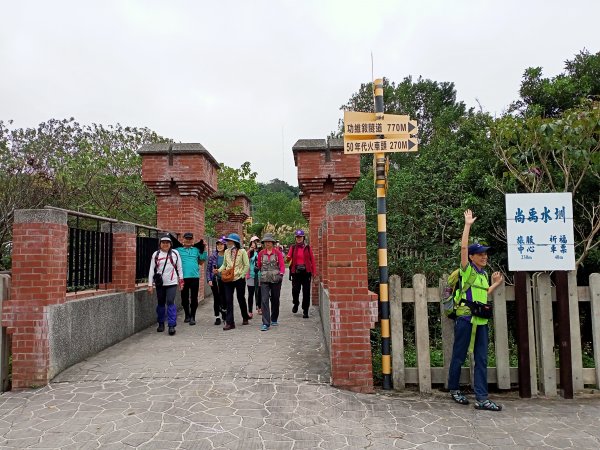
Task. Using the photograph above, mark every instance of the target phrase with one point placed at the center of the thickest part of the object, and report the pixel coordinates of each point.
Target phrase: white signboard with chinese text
(539, 231)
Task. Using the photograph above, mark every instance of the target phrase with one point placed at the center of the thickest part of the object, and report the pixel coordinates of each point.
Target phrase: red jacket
(309, 258)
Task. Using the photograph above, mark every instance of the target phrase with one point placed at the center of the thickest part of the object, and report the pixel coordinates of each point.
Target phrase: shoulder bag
(228, 274)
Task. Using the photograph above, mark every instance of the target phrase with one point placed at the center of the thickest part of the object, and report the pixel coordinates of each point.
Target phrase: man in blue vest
(192, 257)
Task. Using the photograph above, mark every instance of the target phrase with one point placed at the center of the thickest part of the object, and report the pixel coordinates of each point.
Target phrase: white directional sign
(366, 124)
(395, 144)
(539, 231)
(369, 133)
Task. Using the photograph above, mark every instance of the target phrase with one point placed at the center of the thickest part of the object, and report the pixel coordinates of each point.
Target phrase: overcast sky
(247, 79)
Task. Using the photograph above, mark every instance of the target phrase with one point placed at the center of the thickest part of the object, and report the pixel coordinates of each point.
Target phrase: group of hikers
(229, 269)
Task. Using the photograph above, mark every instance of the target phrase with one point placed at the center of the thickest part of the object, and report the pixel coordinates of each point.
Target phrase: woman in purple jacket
(215, 260)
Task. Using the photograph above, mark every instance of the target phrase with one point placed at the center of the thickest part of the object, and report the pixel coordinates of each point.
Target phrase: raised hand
(497, 278)
(469, 219)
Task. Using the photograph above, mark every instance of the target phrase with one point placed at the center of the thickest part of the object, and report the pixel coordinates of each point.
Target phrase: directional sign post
(380, 133)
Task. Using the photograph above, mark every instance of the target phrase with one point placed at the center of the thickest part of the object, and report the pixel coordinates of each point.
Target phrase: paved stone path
(244, 389)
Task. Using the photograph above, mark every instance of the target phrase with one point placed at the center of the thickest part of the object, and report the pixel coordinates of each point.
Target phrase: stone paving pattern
(245, 389)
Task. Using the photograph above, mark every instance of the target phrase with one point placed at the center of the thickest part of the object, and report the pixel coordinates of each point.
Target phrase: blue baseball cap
(477, 248)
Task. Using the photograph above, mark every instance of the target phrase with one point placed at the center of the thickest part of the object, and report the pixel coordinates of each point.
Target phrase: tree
(427, 191)
(550, 97)
(431, 103)
(556, 155)
(61, 163)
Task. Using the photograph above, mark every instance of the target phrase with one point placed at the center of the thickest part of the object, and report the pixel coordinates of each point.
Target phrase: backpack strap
(170, 256)
(464, 288)
(164, 265)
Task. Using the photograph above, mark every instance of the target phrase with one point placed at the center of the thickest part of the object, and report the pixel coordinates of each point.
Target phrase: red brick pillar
(237, 210)
(182, 176)
(124, 256)
(324, 174)
(39, 279)
(352, 308)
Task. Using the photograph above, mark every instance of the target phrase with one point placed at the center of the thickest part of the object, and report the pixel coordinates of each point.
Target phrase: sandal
(488, 405)
(459, 397)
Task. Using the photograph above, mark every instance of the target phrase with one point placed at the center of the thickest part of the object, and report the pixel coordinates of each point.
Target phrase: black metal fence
(89, 255)
(146, 244)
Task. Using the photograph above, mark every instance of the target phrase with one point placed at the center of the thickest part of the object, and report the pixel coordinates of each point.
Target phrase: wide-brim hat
(268, 237)
(254, 238)
(233, 237)
(477, 248)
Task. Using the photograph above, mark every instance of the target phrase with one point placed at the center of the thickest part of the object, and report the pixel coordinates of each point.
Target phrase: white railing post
(398, 376)
(501, 338)
(595, 308)
(422, 333)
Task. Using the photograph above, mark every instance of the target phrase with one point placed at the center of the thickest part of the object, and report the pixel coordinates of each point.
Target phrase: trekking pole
(380, 168)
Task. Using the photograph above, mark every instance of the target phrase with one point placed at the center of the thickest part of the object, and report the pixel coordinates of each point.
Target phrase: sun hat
(254, 238)
(477, 248)
(268, 237)
(233, 237)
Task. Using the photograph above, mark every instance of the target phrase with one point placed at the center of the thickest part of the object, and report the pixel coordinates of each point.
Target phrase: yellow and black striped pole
(380, 186)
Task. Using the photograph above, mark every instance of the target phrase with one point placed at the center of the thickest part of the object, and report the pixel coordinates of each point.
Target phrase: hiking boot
(161, 327)
(228, 327)
(192, 320)
(305, 315)
(187, 319)
(171, 331)
(295, 309)
(217, 321)
(245, 322)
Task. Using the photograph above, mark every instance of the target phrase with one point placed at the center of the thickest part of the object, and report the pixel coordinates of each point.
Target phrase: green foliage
(277, 203)
(234, 181)
(555, 155)
(427, 195)
(550, 97)
(468, 159)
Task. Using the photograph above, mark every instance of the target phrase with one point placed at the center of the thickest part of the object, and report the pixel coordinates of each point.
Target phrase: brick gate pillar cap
(316, 145)
(177, 149)
(40, 216)
(119, 227)
(345, 208)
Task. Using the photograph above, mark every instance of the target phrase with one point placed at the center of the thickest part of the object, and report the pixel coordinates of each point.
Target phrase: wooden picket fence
(544, 373)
